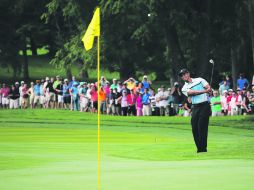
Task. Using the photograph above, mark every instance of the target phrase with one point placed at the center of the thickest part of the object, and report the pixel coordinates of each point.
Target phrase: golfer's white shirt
(196, 84)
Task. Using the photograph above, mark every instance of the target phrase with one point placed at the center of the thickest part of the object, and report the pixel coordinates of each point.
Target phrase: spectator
(37, 93)
(114, 84)
(232, 104)
(74, 95)
(111, 100)
(24, 103)
(14, 96)
(103, 96)
(139, 105)
(163, 99)
(59, 94)
(31, 95)
(124, 102)
(157, 102)
(94, 98)
(177, 96)
(20, 92)
(146, 103)
(216, 104)
(224, 102)
(66, 94)
(145, 83)
(242, 82)
(224, 86)
(187, 107)
(5, 91)
(131, 98)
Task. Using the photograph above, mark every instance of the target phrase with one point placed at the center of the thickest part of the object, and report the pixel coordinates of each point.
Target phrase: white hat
(22, 82)
(47, 78)
(16, 82)
(65, 80)
(145, 76)
(225, 91)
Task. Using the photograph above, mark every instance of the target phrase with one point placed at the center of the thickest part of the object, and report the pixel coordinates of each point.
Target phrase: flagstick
(98, 111)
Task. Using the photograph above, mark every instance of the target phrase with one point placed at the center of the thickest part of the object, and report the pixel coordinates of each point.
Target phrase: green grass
(56, 149)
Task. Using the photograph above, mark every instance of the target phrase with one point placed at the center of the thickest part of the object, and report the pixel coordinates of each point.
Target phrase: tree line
(141, 36)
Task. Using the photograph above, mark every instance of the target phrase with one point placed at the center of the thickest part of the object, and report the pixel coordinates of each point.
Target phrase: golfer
(198, 89)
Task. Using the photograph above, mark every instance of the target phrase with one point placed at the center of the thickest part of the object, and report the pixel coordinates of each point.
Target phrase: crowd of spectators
(131, 97)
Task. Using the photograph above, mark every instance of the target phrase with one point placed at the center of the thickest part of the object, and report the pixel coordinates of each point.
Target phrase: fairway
(57, 150)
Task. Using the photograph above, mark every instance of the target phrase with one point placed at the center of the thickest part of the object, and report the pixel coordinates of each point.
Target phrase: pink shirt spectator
(94, 95)
(224, 102)
(5, 91)
(107, 89)
(139, 104)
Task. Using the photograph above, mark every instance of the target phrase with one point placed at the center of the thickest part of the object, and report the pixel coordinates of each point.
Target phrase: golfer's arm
(207, 89)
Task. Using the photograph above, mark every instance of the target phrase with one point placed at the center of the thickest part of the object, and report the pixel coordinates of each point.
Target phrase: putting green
(52, 149)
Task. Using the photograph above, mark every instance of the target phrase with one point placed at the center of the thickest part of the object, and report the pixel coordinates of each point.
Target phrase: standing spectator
(224, 102)
(59, 94)
(163, 100)
(216, 104)
(114, 84)
(37, 93)
(146, 83)
(187, 107)
(94, 98)
(131, 98)
(111, 101)
(75, 97)
(245, 103)
(42, 94)
(139, 105)
(131, 83)
(242, 82)
(66, 95)
(157, 102)
(31, 95)
(83, 98)
(103, 81)
(103, 97)
(232, 104)
(5, 91)
(153, 102)
(177, 96)
(14, 96)
(50, 94)
(230, 95)
(55, 84)
(70, 86)
(146, 103)
(224, 86)
(239, 101)
(124, 103)
(20, 92)
(119, 86)
(24, 103)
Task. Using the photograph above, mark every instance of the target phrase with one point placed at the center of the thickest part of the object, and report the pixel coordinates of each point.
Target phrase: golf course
(57, 150)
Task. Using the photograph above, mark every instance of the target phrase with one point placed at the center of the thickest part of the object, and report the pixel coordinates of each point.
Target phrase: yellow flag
(92, 30)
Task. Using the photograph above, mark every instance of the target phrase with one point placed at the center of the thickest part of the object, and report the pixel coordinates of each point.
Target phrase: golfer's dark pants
(199, 122)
